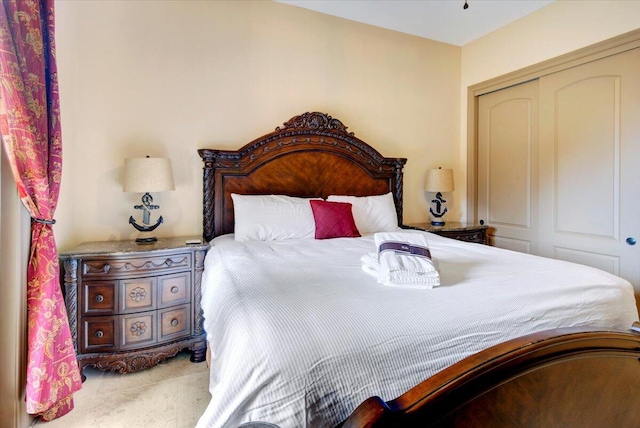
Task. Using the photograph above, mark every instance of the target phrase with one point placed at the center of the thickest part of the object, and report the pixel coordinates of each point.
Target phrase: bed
(299, 335)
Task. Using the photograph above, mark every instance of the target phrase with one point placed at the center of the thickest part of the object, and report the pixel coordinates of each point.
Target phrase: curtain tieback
(43, 221)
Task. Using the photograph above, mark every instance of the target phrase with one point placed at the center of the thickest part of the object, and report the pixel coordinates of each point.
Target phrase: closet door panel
(507, 165)
(589, 186)
(587, 156)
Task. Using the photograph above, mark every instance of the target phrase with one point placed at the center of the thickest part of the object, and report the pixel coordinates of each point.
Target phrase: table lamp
(145, 175)
(438, 181)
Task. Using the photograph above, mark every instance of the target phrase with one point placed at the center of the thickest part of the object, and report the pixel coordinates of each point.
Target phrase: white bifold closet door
(559, 165)
(508, 166)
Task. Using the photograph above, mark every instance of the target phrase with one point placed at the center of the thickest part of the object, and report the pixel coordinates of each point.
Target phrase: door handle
(631, 240)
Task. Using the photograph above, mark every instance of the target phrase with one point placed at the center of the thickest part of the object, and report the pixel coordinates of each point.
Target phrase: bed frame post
(398, 166)
(208, 181)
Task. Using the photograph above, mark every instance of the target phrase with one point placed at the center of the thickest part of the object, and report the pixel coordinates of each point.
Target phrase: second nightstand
(131, 306)
(467, 232)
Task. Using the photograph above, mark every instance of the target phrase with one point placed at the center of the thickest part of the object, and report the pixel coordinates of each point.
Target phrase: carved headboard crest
(315, 120)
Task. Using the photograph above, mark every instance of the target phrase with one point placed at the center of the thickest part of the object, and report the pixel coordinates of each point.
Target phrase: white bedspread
(300, 335)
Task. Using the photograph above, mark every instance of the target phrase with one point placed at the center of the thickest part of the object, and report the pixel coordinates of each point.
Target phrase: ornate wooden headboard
(311, 155)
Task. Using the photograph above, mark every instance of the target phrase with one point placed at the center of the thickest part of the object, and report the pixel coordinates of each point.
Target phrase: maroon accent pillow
(334, 220)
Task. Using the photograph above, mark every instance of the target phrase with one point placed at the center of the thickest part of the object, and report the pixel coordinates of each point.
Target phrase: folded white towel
(371, 266)
(405, 260)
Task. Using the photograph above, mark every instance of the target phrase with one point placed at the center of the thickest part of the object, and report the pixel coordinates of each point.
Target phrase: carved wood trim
(96, 267)
(311, 132)
(209, 157)
(71, 297)
(198, 328)
(315, 121)
(133, 361)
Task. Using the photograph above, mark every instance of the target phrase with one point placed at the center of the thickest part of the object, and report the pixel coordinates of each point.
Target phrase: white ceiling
(441, 20)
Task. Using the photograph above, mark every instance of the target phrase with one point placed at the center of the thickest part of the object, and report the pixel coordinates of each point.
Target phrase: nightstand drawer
(477, 236)
(467, 232)
(98, 268)
(137, 294)
(99, 334)
(138, 330)
(174, 322)
(174, 289)
(100, 298)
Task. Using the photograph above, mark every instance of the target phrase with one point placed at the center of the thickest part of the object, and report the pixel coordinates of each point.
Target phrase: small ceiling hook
(466, 6)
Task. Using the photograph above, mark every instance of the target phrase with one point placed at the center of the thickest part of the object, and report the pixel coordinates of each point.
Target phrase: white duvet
(300, 335)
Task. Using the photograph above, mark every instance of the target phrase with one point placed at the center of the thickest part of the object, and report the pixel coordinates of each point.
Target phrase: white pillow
(371, 213)
(272, 217)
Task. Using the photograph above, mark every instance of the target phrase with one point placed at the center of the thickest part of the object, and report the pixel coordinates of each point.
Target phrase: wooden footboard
(556, 378)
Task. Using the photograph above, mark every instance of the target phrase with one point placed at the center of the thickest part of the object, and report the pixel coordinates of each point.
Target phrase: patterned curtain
(30, 129)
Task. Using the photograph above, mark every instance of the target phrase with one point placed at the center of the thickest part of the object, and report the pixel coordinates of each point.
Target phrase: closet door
(589, 188)
(508, 166)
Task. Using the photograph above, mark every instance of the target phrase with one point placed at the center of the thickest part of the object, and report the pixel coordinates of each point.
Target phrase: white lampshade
(439, 180)
(145, 175)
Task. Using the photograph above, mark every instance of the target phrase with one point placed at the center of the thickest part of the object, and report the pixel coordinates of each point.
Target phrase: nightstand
(467, 232)
(132, 306)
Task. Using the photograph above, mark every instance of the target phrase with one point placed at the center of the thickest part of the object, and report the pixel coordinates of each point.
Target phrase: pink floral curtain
(30, 129)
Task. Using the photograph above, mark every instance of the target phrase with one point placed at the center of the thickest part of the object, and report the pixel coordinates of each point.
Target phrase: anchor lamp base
(146, 238)
(145, 229)
(144, 175)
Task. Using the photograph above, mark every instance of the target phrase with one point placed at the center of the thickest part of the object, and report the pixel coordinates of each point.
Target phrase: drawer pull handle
(174, 289)
(99, 298)
(99, 333)
(174, 322)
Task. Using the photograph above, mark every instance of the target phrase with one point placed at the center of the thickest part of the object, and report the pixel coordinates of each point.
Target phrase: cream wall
(561, 27)
(165, 78)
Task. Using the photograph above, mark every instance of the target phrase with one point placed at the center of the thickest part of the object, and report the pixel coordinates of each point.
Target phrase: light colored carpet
(172, 394)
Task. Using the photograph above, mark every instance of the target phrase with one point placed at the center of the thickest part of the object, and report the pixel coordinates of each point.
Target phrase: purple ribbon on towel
(405, 248)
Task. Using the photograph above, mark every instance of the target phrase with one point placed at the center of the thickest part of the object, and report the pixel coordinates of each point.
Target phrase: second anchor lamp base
(440, 211)
(438, 181)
